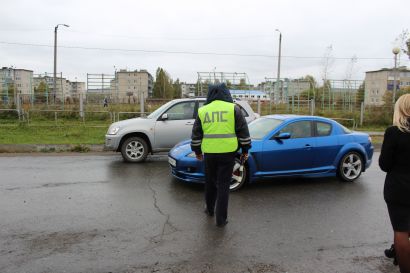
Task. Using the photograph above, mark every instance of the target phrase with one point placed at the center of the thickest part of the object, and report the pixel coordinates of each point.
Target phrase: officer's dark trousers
(218, 174)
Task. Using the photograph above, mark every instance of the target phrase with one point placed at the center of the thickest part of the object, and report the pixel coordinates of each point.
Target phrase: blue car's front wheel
(239, 176)
(350, 167)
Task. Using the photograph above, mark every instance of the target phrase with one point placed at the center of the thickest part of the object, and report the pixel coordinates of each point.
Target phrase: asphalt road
(95, 213)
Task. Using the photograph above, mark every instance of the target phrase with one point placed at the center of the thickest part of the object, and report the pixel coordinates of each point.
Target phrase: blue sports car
(287, 146)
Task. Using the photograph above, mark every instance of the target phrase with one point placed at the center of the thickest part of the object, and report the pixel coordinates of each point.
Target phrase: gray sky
(366, 29)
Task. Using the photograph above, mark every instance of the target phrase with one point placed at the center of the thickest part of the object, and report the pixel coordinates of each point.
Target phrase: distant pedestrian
(219, 131)
(105, 102)
(395, 161)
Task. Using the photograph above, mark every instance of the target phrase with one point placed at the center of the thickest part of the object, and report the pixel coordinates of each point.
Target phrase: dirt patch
(190, 267)
(376, 264)
(60, 241)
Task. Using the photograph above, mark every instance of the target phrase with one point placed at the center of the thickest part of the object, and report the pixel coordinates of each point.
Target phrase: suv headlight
(113, 130)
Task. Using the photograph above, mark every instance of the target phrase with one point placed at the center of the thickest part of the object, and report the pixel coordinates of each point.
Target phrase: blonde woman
(395, 161)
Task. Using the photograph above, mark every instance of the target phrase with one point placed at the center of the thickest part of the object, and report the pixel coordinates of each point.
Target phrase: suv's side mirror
(164, 116)
(283, 136)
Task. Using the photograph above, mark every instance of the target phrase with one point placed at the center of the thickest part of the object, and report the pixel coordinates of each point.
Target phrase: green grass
(23, 134)
(68, 128)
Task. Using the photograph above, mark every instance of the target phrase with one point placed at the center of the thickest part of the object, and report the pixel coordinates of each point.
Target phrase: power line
(175, 38)
(188, 52)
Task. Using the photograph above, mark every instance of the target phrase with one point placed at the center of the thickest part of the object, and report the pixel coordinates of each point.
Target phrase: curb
(49, 148)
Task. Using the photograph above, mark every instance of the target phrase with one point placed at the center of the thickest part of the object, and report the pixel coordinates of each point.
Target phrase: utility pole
(395, 51)
(279, 57)
(55, 60)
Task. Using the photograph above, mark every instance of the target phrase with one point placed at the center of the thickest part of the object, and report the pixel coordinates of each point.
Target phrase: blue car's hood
(181, 149)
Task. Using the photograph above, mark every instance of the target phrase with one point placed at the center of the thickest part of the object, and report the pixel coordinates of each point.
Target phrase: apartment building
(249, 95)
(378, 82)
(15, 81)
(77, 89)
(130, 85)
(64, 88)
(286, 88)
(188, 90)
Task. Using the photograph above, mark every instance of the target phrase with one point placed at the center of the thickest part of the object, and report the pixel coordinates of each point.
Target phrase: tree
(360, 93)
(163, 87)
(129, 95)
(10, 93)
(311, 80)
(403, 42)
(328, 61)
(388, 96)
(312, 92)
(242, 84)
(228, 84)
(177, 89)
(40, 93)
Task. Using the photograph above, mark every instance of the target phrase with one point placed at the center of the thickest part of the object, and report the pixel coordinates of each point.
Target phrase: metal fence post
(312, 108)
(259, 107)
(361, 113)
(81, 106)
(18, 105)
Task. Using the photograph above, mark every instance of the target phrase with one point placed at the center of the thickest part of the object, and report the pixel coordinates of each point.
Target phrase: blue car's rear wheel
(239, 176)
(350, 167)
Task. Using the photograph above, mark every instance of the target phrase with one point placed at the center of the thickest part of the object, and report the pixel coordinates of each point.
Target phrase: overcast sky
(240, 34)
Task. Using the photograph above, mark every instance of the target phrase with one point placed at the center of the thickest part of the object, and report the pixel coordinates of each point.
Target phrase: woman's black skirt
(399, 217)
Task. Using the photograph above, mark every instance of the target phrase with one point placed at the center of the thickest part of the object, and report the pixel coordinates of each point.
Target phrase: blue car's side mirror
(282, 136)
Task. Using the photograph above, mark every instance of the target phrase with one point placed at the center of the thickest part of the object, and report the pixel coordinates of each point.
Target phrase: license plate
(172, 162)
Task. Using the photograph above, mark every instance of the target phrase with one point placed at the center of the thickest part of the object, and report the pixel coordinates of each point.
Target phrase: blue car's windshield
(262, 126)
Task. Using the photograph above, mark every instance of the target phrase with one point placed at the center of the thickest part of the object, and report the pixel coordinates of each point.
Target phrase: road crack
(167, 224)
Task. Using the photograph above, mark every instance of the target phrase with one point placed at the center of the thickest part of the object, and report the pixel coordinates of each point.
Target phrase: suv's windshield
(158, 112)
(262, 126)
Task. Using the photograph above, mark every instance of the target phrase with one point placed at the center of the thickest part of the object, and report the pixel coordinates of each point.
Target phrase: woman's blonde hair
(401, 114)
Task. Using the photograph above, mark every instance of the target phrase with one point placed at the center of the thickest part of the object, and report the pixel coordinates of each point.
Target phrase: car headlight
(113, 131)
(191, 154)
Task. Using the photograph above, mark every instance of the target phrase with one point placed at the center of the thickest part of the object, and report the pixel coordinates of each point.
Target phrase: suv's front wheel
(134, 149)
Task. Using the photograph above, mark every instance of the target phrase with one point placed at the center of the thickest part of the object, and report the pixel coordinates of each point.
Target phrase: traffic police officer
(219, 131)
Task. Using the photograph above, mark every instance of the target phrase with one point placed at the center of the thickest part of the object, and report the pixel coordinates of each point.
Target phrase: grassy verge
(80, 134)
(74, 135)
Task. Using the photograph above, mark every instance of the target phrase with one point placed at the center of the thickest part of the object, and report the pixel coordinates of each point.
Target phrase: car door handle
(189, 123)
(308, 146)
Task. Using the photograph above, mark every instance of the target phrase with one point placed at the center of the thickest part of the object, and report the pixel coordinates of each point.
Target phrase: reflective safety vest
(218, 125)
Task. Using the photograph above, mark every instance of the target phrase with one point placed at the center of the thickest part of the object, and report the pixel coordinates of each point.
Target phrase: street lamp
(395, 51)
(55, 59)
(276, 90)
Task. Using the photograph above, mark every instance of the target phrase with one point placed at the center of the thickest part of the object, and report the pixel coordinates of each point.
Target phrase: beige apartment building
(77, 89)
(378, 82)
(128, 86)
(64, 88)
(15, 81)
(188, 90)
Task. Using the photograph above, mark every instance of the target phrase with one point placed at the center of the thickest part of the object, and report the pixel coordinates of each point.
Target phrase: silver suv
(161, 130)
